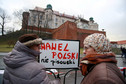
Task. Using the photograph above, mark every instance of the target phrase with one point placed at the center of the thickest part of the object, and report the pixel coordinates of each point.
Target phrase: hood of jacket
(20, 56)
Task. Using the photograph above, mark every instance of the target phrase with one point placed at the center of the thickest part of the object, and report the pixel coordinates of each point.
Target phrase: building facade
(118, 44)
(121, 43)
(49, 18)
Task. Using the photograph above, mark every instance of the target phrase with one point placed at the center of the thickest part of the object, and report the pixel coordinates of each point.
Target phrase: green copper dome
(49, 6)
(91, 19)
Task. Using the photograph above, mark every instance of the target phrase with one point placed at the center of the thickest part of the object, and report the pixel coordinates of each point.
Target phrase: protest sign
(60, 53)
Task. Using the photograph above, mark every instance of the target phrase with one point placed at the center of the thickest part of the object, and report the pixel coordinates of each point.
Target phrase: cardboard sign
(59, 54)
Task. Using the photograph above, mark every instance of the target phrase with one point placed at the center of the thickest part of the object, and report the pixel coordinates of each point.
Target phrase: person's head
(32, 41)
(96, 43)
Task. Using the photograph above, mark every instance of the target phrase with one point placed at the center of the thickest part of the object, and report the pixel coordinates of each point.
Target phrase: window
(46, 16)
(56, 20)
(55, 24)
(34, 18)
(40, 22)
(40, 17)
(62, 21)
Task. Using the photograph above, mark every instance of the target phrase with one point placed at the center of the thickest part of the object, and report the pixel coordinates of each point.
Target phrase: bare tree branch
(4, 19)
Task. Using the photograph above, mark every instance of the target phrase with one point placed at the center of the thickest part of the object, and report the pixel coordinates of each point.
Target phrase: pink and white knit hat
(99, 42)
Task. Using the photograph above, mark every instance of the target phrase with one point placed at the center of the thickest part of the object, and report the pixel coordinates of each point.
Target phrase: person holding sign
(22, 66)
(99, 64)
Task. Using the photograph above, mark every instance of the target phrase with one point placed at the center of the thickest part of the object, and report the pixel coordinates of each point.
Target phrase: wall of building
(121, 43)
(49, 18)
(68, 30)
(58, 21)
(93, 26)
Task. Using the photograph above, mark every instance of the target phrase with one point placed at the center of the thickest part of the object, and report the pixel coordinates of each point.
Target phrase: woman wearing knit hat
(99, 64)
(22, 66)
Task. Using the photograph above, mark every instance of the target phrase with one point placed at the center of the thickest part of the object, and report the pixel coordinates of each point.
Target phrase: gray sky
(109, 14)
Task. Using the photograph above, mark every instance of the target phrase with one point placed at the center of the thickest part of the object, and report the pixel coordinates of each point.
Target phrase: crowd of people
(97, 67)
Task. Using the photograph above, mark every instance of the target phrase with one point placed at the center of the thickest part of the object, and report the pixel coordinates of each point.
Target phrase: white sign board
(59, 54)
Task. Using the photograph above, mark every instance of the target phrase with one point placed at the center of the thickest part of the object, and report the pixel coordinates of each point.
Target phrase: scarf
(94, 59)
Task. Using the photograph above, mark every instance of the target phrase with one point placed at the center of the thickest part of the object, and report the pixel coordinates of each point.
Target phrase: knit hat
(99, 42)
(30, 39)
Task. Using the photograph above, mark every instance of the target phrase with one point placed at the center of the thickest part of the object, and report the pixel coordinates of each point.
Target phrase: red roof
(121, 42)
(55, 12)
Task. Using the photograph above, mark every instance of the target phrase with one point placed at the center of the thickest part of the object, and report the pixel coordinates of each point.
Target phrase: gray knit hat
(99, 42)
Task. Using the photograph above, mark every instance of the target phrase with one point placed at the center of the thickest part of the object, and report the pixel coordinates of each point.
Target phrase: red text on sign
(54, 46)
(65, 55)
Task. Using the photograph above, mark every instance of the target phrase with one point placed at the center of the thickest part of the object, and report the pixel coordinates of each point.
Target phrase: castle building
(59, 25)
(49, 18)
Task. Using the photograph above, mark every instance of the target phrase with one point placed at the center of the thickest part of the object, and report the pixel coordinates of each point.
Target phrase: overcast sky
(109, 14)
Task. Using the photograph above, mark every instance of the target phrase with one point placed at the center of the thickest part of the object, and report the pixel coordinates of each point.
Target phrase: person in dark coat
(22, 66)
(99, 64)
(123, 52)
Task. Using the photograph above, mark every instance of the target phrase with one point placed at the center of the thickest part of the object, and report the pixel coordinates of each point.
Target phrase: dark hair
(27, 37)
